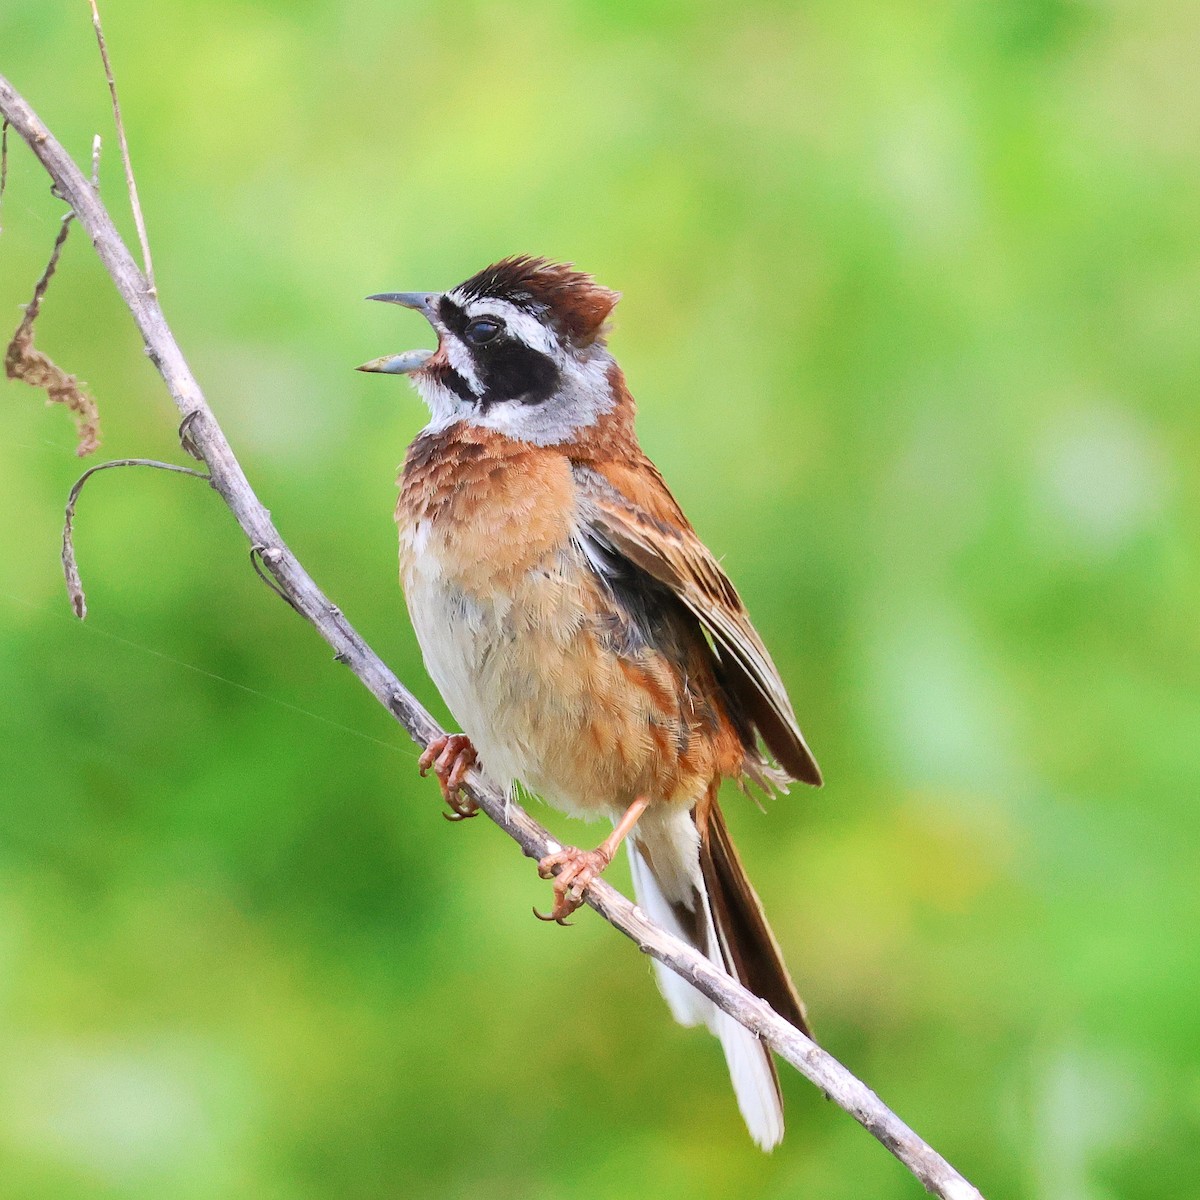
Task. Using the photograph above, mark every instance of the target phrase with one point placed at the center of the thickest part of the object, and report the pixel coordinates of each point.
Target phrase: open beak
(411, 360)
(398, 364)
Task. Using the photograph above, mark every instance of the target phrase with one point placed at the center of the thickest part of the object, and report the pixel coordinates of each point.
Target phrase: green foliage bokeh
(910, 296)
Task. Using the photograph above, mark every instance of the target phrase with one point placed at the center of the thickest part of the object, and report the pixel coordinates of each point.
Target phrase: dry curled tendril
(24, 361)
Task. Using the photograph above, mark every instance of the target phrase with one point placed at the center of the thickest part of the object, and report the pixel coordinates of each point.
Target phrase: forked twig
(204, 435)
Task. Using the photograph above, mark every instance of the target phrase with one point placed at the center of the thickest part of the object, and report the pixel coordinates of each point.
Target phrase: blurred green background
(910, 308)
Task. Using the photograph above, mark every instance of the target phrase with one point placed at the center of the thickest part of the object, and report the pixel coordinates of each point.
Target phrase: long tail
(689, 879)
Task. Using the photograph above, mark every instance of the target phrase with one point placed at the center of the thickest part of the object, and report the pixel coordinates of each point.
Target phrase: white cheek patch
(460, 360)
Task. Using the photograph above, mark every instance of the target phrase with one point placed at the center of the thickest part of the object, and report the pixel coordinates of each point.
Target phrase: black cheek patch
(507, 368)
(510, 370)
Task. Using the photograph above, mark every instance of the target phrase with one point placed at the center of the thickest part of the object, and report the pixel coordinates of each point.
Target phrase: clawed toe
(574, 871)
(451, 756)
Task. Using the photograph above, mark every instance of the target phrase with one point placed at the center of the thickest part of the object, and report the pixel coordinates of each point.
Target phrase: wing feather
(627, 508)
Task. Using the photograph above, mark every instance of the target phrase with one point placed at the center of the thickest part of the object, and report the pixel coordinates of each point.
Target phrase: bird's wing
(626, 507)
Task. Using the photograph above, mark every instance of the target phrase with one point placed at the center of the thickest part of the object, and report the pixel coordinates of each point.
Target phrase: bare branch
(261, 554)
(70, 566)
(130, 182)
(204, 437)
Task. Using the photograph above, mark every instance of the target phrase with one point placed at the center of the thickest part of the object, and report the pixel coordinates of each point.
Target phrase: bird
(586, 641)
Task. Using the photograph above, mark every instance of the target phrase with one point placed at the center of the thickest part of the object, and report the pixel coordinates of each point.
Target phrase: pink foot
(451, 756)
(576, 869)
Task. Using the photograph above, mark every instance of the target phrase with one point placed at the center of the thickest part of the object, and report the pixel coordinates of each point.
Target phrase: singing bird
(586, 641)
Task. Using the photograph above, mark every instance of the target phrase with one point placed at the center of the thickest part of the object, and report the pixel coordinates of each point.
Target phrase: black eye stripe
(453, 316)
(467, 328)
(507, 368)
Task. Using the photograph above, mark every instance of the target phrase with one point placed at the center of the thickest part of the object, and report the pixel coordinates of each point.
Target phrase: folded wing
(626, 510)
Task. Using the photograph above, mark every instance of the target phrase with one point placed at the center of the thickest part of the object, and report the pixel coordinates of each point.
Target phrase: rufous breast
(523, 639)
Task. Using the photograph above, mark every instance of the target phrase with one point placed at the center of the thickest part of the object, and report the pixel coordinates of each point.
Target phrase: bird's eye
(479, 332)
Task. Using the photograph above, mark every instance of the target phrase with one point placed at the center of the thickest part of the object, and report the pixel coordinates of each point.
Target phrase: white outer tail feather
(750, 1070)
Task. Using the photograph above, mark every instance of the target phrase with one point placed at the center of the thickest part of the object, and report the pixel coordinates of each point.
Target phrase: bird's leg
(576, 869)
(451, 756)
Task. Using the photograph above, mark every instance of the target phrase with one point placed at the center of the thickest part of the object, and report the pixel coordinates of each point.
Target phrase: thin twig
(3, 163)
(260, 555)
(228, 478)
(130, 182)
(69, 563)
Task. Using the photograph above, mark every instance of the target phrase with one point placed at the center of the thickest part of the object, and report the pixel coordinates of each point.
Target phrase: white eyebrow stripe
(520, 324)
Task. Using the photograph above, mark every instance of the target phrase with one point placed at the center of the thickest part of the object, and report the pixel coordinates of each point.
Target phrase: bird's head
(521, 349)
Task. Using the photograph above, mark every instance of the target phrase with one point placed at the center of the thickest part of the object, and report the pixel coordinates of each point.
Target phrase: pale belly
(531, 684)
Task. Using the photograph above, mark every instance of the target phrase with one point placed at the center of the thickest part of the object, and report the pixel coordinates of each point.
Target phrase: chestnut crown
(569, 299)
